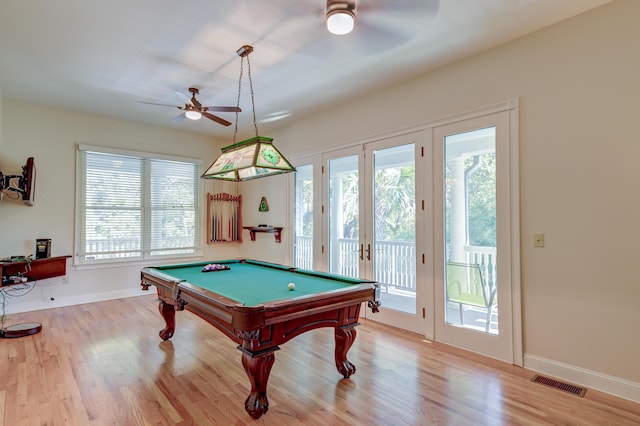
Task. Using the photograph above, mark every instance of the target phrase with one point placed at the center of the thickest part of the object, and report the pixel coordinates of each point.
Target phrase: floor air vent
(566, 387)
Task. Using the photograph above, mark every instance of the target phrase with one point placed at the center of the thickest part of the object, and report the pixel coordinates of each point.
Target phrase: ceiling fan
(194, 110)
(368, 27)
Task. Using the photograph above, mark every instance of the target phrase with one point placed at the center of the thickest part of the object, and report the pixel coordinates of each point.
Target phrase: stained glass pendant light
(252, 158)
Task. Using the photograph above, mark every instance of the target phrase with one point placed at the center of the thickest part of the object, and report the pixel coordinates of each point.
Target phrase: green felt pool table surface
(253, 283)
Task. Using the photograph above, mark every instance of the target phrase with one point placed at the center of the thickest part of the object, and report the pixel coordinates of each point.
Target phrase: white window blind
(135, 206)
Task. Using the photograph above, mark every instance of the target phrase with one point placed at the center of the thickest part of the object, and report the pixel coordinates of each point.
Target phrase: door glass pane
(394, 251)
(470, 230)
(303, 218)
(344, 221)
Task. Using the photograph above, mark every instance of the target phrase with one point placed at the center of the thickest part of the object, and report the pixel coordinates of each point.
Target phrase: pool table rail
(234, 319)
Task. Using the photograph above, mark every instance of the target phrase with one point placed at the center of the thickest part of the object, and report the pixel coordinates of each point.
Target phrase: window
(135, 206)
(303, 217)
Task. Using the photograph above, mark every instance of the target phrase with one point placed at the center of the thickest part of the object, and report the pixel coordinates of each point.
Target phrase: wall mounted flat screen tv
(22, 186)
(29, 182)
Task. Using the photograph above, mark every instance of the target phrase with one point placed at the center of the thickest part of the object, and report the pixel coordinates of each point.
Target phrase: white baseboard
(583, 377)
(60, 302)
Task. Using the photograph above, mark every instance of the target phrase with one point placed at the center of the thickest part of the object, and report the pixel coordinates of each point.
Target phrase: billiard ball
(291, 286)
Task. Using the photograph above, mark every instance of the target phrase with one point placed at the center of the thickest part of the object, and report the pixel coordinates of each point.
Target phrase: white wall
(578, 86)
(276, 189)
(50, 135)
(1, 127)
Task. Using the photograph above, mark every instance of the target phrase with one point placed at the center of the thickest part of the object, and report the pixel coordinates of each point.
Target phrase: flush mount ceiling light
(341, 16)
(253, 158)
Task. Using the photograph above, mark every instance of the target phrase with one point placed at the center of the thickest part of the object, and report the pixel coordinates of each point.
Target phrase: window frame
(315, 161)
(146, 209)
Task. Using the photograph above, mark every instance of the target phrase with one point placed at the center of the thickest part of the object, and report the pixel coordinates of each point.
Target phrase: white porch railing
(131, 247)
(395, 264)
(303, 252)
(485, 257)
(395, 261)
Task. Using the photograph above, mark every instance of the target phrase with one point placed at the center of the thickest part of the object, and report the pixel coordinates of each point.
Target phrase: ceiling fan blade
(186, 99)
(222, 109)
(153, 103)
(179, 118)
(216, 119)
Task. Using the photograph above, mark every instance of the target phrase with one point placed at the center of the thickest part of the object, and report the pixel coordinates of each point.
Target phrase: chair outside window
(466, 286)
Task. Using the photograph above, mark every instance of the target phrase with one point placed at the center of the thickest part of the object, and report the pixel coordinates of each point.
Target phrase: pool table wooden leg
(168, 312)
(345, 336)
(257, 368)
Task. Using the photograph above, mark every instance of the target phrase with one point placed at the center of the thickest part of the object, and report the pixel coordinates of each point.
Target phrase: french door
(371, 223)
(432, 216)
(473, 238)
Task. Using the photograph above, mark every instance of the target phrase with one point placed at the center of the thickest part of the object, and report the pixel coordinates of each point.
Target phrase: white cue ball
(291, 286)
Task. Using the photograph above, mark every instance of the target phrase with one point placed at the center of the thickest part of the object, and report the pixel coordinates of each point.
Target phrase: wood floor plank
(3, 404)
(104, 364)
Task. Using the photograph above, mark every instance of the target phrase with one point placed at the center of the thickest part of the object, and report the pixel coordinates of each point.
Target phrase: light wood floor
(103, 364)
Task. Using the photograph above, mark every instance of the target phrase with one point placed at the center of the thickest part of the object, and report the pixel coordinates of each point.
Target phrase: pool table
(251, 303)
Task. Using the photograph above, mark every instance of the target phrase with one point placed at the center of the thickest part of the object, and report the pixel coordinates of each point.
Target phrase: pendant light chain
(235, 131)
(253, 105)
(253, 158)
(243, 55)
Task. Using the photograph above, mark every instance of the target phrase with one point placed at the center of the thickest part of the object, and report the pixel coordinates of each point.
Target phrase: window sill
(136, 263)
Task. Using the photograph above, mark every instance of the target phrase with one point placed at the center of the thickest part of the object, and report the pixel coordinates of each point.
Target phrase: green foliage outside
(481, 200)
(395, 203)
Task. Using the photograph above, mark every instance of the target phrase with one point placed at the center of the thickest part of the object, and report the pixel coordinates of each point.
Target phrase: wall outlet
(538, 240)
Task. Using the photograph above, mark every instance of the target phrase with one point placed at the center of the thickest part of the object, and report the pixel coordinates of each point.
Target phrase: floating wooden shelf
(36, 269)
(276, 230)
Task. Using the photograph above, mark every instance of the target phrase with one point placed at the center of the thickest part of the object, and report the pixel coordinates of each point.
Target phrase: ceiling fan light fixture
(193, 115)
(341, 17)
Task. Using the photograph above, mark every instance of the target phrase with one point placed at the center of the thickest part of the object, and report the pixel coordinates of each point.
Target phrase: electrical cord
(27, 266)
(17, 290)
(3, 315)
(11, 195)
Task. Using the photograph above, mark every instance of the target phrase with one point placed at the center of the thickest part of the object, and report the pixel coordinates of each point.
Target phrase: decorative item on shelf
(264, 206)
(252, 158)
(43, 248)
(224, 218)
(275, 230)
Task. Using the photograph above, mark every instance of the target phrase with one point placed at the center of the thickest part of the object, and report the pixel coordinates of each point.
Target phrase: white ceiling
(104, 56)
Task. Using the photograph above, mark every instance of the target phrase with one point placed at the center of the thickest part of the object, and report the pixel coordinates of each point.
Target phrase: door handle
(361, 251)
(368, 251)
